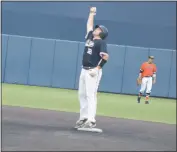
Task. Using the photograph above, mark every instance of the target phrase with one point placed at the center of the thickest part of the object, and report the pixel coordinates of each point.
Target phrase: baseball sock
(139, 97)
(147, 98)
(140, 94)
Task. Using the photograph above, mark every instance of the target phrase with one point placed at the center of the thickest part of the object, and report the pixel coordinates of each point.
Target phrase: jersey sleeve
(89, 35)
(103, 48)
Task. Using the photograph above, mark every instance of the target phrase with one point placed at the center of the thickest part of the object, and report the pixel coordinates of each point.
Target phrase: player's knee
(142, 91)
(148, 91)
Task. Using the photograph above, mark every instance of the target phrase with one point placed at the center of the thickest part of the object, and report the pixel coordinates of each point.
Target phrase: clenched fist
(93, 10)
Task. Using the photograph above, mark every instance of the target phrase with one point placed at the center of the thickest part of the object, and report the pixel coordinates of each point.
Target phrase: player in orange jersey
(147, 76)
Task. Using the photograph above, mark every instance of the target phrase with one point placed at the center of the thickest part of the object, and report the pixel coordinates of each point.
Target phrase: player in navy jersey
(94, 58)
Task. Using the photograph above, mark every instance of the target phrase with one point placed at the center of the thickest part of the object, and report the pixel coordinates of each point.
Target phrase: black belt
(147, 76)
(87, 68)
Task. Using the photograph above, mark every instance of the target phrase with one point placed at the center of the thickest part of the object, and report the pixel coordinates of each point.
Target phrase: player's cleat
(80, 123)
(139, 98)
(89, 124)
(146, 102)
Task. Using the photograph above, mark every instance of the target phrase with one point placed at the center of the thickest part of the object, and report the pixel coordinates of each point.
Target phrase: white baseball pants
(88, 87)
(146, 85)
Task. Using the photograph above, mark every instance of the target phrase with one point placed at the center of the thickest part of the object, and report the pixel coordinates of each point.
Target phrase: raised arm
(90, 21)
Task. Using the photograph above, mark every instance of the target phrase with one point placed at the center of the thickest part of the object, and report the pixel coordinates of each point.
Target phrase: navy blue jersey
(93, 51)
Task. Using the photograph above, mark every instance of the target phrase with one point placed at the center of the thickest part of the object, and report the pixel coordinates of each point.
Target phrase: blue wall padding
(172, 89)
(41, 62)
(163, 62)
(133, 59)
(65, 62)
(58, 63)
(113, 70)
(17, 61)
(79, 63)
(4, 53)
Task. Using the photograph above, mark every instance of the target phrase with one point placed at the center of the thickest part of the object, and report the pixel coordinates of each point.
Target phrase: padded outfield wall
(57, 63)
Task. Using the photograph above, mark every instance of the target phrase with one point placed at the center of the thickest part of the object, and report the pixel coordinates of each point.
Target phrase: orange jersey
(148, 69)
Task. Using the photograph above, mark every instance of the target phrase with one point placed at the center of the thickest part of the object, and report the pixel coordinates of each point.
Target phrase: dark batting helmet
(104, 32)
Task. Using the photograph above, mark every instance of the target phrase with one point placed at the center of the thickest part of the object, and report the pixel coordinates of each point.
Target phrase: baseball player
(147, 77)
(94, 58)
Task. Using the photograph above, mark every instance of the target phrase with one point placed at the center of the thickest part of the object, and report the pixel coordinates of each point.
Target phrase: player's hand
(93, 10)
(154, 81)
(138, 81)
(93, 72)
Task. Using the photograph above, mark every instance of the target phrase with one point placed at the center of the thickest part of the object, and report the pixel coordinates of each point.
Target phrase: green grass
(113, 105)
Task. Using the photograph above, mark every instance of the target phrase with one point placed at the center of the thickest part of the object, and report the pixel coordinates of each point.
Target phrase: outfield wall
(57, 63)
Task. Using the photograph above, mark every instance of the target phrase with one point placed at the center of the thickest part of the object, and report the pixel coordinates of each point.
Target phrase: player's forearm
(140, 75)
(90, 21)
(105, 57)
(103, 61)
(154, 77)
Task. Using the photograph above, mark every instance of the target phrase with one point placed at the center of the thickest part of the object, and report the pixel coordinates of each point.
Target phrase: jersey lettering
(89, 43)
(89, 51)
(92, 50)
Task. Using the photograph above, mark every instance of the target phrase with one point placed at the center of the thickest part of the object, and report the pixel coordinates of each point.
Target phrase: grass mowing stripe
(113, 105)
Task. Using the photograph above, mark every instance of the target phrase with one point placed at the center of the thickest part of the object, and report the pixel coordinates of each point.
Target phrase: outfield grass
(120, 106)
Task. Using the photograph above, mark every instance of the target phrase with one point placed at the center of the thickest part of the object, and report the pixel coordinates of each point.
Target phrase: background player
(94, 57)
(147, 77)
